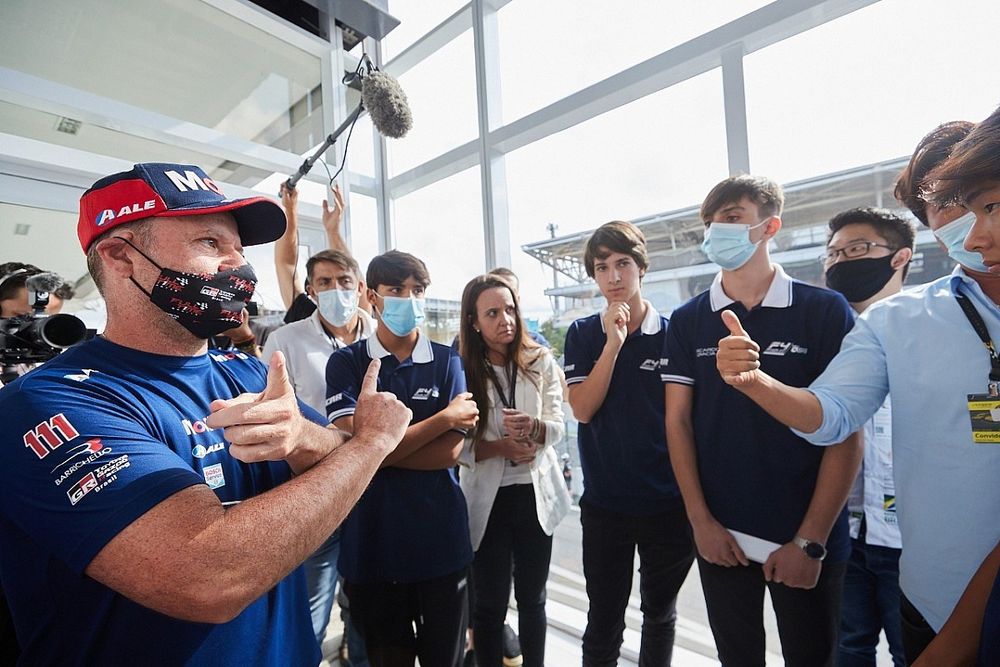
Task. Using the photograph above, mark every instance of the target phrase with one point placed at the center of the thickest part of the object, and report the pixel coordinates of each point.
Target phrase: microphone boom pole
(329, 141)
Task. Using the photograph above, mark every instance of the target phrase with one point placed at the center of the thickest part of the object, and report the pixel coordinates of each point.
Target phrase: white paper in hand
(755, 548)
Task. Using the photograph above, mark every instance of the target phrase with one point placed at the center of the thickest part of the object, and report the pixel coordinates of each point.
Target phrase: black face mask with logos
(204, 304)
(860, 279)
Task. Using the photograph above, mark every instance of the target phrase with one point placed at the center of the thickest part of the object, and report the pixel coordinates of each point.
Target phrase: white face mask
(337, 306)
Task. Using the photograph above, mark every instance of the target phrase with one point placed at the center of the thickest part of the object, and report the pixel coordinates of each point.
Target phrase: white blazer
(481, 480)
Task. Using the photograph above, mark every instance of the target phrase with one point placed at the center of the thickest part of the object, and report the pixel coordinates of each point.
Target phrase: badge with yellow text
(984, 411)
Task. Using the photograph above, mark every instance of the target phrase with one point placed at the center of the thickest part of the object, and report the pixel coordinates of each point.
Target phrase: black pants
(513, 538)
(387, 614)
(666, 552)
(808, 620)
(917, 632)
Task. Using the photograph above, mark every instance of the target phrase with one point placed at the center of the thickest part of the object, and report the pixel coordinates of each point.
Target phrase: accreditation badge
(984, 412)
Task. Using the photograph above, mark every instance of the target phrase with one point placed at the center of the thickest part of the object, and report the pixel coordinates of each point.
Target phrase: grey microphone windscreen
(386, 103)
(43, 282)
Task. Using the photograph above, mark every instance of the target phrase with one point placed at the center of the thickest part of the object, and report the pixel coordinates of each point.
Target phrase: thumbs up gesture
(379, 416)
(264, 426)
(738, 357)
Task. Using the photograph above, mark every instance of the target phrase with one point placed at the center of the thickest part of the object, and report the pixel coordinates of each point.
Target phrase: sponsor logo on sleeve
(333, 399)
(49, 435)
(706, 351)
(569, 367)
(214, 476)
(97, 480)
(79, 457)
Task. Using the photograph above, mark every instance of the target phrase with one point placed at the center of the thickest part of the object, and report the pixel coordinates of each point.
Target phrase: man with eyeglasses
(866, 260)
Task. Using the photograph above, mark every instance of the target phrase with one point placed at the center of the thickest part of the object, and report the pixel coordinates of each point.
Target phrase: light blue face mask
(402, 315)
(337, 306)
(729, 245)
(953, 236)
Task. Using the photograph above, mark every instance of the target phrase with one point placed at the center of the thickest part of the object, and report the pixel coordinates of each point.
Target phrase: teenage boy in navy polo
(740, 469)
(630, 499)
(405, 549)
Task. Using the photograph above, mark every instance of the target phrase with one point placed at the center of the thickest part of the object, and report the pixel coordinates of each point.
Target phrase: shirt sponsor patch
(91, 451)
(50, 434)
(214, 476)
(780, 348)
(706, 352)
(201, 451)
(97, 480)
(649, 365)
(82, 376)
(333, 399)
(425, 393)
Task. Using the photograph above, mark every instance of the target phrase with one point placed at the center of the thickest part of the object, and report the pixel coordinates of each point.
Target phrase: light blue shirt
(919, 346)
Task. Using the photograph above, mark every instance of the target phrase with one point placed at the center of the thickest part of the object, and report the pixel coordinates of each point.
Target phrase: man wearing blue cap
(157, 500)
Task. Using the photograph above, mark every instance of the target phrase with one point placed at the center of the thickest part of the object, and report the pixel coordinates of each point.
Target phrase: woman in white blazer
(512, 480)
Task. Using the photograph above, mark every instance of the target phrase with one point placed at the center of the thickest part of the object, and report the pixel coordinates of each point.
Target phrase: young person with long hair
(513, 482)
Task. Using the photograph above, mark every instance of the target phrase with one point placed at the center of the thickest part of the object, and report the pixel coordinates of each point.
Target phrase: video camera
(37, 337)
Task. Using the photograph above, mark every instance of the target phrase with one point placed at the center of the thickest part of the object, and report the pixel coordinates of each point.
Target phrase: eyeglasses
(853, 251)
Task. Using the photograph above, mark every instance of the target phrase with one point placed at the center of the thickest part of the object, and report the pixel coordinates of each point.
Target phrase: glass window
(162, 55)
(816, 107)
(659, 153)
(442, 224)
(442, 96)
(416, 18)
(364, 230)
(551, 49)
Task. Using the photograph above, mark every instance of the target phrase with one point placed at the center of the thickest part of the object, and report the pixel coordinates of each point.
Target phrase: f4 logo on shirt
(425, 393)
(49, 435)
(779, 349)
(651, 364)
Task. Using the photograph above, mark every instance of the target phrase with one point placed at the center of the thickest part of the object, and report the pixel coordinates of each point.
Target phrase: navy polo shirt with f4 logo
(410, 525)
(623, 450)
(757, 476)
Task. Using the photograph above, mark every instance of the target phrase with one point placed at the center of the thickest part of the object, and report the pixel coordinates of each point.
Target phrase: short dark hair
(897, 231)
(16, 273)
(394, 267)
(616, 236)
(929, 153)
(337, 257)
(972, 162)
(762, 191)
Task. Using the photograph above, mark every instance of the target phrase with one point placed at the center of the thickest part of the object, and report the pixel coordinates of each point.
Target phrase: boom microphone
(43, 282)
(385, 102)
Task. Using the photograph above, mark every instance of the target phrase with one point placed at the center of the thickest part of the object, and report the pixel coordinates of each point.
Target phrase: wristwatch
(814, 550)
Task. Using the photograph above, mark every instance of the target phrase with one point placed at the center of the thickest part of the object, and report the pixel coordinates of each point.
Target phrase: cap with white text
(160, 189)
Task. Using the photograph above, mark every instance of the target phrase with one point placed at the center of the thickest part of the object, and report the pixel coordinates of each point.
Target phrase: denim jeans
(666, 551)
(514, 541)
(321, 581)
(870, 604)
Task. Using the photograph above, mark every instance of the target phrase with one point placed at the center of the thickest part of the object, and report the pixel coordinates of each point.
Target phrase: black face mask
(204, 304)
(860, 279)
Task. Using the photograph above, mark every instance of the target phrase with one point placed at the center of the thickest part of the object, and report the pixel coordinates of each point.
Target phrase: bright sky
(861, 89)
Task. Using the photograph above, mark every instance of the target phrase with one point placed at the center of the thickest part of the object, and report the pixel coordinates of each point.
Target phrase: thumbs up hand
(738, 357)
(265, 426)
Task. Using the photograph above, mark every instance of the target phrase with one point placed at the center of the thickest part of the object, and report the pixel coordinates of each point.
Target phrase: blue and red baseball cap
(161, 189)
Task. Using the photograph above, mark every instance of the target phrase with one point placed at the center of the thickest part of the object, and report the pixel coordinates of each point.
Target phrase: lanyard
(976, 320)
(508, 401)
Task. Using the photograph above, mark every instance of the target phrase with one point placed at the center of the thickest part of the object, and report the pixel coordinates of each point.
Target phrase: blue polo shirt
(757, 476)
(93, 440)
(410, 525)
(623, 449)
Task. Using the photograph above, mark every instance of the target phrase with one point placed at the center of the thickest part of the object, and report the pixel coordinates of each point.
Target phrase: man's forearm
(418, 435)
(683, 460)
(958, 641)
(317, 444)
(792, 406)
(208, 563)
(439, 454)
(837, 472)
(587, 397)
